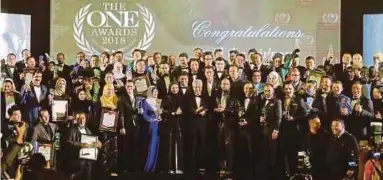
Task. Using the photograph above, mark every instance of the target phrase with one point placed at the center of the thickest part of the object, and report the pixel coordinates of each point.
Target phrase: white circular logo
(107, 38)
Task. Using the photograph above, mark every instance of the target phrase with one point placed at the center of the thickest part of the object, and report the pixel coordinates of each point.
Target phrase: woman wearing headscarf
(9, 97)
(108, 153)
(171, 150)
(59, 91)
(275, 79)
(150, 108)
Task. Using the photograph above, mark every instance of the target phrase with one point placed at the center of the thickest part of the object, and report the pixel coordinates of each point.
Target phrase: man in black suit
(220, 71)
(296, 79)
(195, 71)
(316, 144)
(129, 129)
(293, 126)
(358, 121)
(246, 109)
(80, 168)
(342, 154)
(22, 64)
(319, 106)
(340, 70)
(270, 113)
(225, 111)
(196, 123)
(256, 60)
(10, 70)
(63, 70)
(236, 83)
(182, 67)
(164, 81)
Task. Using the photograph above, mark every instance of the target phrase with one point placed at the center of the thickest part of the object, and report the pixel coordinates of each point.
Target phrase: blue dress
(151, 134)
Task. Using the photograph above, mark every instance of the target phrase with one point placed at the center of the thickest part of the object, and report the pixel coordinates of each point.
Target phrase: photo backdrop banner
(15, 34)
(173, 26)
(372, 37)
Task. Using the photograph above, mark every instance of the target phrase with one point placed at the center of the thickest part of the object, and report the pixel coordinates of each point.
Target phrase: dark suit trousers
(128, 150)
(85, 170)
(196, 143)
(226, 137)
(244, 152)
(171, 150)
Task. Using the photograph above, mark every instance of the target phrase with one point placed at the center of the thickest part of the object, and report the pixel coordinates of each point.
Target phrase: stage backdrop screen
(173, 26)
(372, 36)
(15, 34)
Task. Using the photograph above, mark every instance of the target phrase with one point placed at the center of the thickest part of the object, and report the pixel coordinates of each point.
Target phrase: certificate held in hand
(108, 120)
(91, 152)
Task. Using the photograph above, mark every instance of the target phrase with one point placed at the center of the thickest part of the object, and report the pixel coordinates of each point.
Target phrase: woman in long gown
(150, 108)
(171, 145)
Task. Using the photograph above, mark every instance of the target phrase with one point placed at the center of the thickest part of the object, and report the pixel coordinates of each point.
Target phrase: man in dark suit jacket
(34, 97)
(80, 168)
(129, 129)
(319, 106)
(22, 64)
(270, 112)
(358, 122)
(342, 154)
(63, 70)
(196, 123)
(340, 69)
(337, 104)
(236, 83)
(256, 59)
(246, 109)
(9, 70)
(164, 81)
(293, 126)
(195, 71)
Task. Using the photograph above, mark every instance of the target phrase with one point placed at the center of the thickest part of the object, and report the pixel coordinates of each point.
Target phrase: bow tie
(199, 96)
(183, 87)
(219, 71)
(38, 86)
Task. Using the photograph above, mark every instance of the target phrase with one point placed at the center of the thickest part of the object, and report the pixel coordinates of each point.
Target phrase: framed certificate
(108, 120)
(59, 110)
(47, 150)
(28, 74)
(142, 84)
(316, 75)
(90, 153)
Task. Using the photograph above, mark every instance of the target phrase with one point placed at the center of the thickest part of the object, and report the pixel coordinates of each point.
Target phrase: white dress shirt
(198, 101)
(37, 92)
(247, 101)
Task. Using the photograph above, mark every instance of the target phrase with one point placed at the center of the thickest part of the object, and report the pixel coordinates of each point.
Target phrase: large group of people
(193, 114)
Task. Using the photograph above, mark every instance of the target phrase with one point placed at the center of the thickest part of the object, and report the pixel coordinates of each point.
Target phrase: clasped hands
(201, 111)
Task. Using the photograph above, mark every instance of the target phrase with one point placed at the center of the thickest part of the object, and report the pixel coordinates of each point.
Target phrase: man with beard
(337, 104)
(293, 126)
(270, 113)
(316, 144)
(256, 60)
(163, 82)
(319, 106)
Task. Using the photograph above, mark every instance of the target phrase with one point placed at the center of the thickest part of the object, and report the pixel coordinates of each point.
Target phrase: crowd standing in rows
(190, 114)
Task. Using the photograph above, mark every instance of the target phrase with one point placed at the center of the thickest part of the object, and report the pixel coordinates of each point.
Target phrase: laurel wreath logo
(84, 45)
